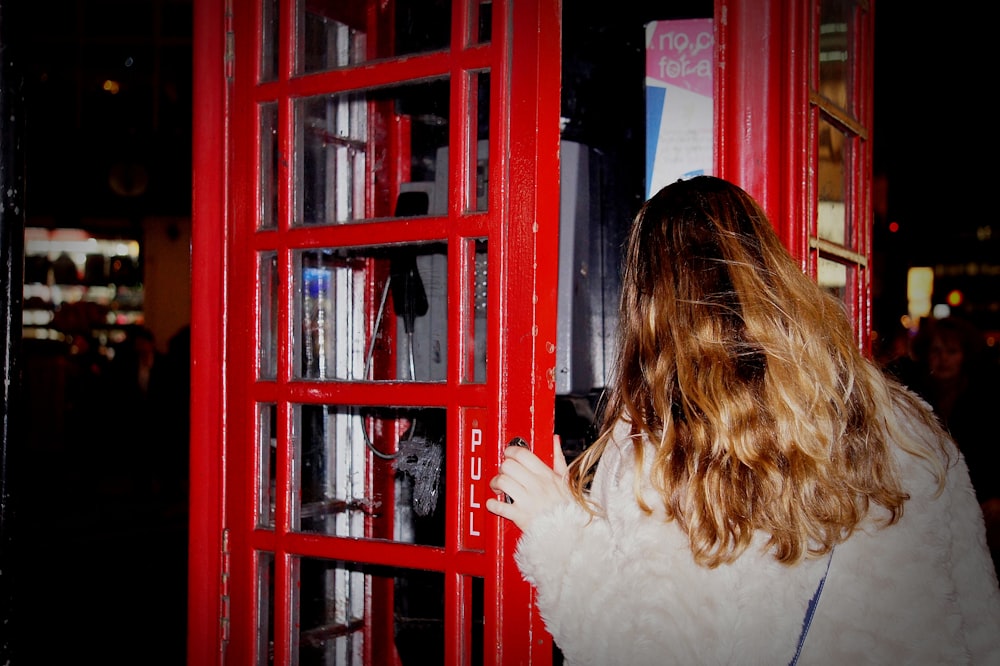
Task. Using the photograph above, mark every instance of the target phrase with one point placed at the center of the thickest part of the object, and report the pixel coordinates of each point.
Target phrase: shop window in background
(77, 285)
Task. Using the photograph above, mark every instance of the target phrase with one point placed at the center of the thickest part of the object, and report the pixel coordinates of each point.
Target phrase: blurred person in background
(127, 463)
(963, 387)
(895, 354)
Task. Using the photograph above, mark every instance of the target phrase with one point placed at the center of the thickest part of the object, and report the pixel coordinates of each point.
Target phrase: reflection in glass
(473, 592)
(479, 102)
(371, 472)
(372, 313)
(836, 49)
(420, 299)
(344, 140)
(330, 155)
(475, 317)
(481, 18)
(832, 276)
(331, 33)
(269, 165)
(343, 610)
(833, 154)
(265, 609)
(267, 461)
(270, 16)
(268, 352)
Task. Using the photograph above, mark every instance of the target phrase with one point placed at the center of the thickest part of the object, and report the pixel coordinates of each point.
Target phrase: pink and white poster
(679, 106)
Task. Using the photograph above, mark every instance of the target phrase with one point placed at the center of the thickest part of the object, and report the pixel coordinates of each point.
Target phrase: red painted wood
(528, 286)
(239, 366)
(863, 210)
(761, 118)
(204, 640)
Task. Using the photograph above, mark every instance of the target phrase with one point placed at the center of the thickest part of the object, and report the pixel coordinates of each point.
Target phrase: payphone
(588, 276)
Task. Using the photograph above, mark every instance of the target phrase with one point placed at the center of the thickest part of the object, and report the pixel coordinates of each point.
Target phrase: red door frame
(207, 589)
(761, 109)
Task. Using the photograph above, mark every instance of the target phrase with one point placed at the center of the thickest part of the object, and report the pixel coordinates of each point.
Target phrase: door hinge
(224, 605)
(229, 57)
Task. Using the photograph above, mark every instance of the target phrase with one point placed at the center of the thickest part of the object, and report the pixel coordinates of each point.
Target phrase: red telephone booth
(376, 246)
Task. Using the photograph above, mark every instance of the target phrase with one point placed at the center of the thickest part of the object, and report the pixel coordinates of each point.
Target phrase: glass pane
(269, 165)
(333, 33)
(481, 20)
(832, 276)
(837, 51)
(268, 353)
(346, 141)
(475, 322)
(329, 34)
(331, 135)
(372, 472)
(265, 609)
(344, 610)
(375, 313)
(479, 98)
(833, 148)
(269, 40)
(474, 614)
(267, 461)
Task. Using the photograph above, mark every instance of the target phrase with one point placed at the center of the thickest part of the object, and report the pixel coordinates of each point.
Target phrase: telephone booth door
(382, 325)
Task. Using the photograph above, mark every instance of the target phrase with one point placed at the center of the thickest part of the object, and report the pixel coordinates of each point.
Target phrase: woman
(760, 493)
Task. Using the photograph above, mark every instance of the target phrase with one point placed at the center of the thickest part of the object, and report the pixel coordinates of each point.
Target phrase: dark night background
(933, 155)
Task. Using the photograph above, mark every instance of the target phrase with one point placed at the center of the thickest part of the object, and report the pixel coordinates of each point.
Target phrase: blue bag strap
(807, 621)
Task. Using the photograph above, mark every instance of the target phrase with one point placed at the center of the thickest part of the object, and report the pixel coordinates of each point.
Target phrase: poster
(679, 100)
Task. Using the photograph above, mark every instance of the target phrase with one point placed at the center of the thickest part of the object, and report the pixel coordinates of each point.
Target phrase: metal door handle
(517, 441)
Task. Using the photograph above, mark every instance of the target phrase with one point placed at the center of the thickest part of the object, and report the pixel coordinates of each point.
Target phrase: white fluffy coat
(624, 589)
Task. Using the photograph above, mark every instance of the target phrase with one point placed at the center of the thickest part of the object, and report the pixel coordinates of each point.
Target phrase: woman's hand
(532, 485)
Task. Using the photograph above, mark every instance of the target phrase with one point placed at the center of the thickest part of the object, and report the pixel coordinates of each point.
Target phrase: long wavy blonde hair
(746, 378)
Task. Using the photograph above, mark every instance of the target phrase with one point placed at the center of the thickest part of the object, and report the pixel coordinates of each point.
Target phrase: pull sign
(475, 484)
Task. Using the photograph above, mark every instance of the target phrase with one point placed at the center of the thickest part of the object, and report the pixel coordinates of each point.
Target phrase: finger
(515, 465)
(517, 453)
(505, 484)
(498, 508)
(527, 460)
(558, 459)
(514, 481)
(502, 509)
